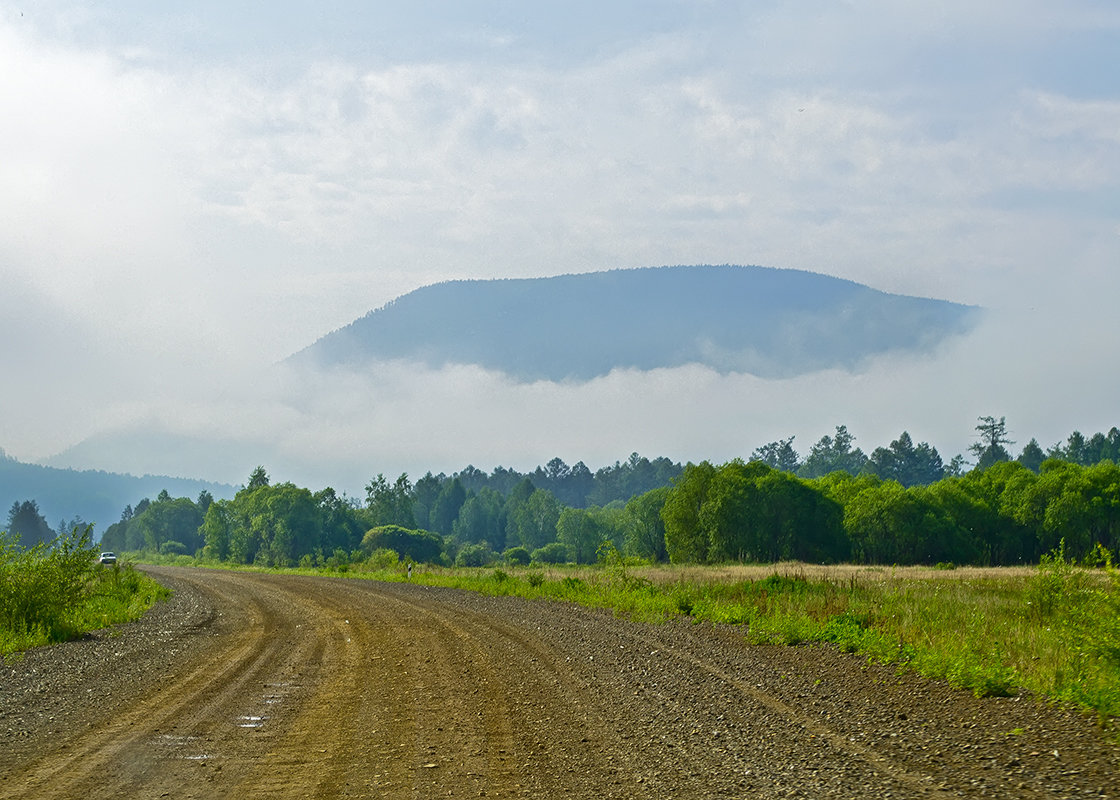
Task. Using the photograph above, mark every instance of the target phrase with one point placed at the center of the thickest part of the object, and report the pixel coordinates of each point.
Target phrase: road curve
(297, 687)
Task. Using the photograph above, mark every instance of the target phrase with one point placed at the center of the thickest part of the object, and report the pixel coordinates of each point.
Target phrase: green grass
(57, 592)
(1053, 630)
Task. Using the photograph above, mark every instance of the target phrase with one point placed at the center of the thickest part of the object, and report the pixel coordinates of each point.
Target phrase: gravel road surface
(269, 686)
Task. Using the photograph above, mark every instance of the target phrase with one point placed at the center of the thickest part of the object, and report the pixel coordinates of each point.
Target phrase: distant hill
(773, 323)
(97, 497)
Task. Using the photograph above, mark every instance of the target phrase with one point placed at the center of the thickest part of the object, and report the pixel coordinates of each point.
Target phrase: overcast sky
(190, 192)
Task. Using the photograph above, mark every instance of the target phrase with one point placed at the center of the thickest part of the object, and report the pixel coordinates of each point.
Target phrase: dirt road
(248, 686)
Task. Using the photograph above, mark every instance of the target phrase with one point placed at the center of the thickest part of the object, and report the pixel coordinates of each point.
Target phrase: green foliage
(480, 518)
(581, 532)
(279, 525)
(517, 556)
(475, 555)
(551, 553)
(56, 591)
(448, 504)
(889, 524)
(993, 436)
(533, 522)
(645, 529)
(685, 539)
(390, 504)
(1003, 514)
(383, 558)
(28, 527)
(39, 585)
(778, 455)
(750, 512)
(833, 454)
(419, 546)
(906, 463)
(1079, 607)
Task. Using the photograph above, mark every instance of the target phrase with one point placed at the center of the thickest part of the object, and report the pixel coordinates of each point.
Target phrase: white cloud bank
(174, 225)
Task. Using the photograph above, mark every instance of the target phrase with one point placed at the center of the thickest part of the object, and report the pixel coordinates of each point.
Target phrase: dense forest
(900, 504)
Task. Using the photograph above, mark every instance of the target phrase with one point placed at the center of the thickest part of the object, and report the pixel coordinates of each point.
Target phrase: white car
(107, 558)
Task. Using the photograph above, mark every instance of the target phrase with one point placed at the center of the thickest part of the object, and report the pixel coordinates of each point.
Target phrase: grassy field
(1053, 630)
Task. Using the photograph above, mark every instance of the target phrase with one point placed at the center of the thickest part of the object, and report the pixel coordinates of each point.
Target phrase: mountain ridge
(773, 323)
(97, 496)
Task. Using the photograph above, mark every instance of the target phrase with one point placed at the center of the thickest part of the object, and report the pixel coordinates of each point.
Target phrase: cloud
(184, 221)
(340, 428)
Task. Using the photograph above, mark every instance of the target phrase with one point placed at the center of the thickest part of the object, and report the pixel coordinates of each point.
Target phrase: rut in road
(318, 687)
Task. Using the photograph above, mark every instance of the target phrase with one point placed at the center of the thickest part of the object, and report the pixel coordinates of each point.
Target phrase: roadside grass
(1052, 630)
(57, 592)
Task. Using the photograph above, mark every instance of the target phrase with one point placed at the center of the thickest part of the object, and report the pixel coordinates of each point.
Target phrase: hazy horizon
(191, 194)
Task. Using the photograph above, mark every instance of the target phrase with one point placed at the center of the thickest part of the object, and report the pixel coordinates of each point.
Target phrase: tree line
(900, 504)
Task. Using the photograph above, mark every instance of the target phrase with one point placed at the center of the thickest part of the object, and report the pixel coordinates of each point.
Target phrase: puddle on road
(275, 694)
(172, 741)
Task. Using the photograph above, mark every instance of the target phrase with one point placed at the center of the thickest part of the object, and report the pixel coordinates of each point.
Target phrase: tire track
(142, 745)
(331, 688)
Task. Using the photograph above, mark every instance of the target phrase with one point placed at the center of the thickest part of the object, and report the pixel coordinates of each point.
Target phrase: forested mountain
(64, 496)
(768, 322)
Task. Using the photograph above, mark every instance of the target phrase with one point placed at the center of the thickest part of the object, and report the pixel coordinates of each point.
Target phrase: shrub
(40, 586)
(475, 555)
(421, 546)
(517, 556)
(571, 584)
(339, 560)
(383, 558)
(551, 553)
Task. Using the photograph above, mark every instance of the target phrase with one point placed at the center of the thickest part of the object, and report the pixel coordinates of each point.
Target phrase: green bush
(421, 546)
(56, 591)
(39, 586)
(475, 555)
(383, 558)
(551, 553)
(517, 556)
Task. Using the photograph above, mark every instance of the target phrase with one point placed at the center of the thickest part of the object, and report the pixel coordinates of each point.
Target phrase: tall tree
(645, 529)
(257, 479)
(778, 455)
(26, 523)
(832, 454)
(426, 491)
(480, 519)
(581, 532)
(450, 501)
(685, 539)
(993, 436)
(535, 520)
(1032, 456)
(390, 503)
(906, 463)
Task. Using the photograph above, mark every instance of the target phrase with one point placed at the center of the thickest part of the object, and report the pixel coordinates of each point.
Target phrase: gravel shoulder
(285, 686)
